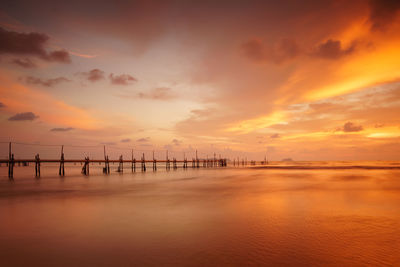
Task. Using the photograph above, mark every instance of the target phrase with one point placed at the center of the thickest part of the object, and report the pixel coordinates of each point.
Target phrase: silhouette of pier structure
(123, 164)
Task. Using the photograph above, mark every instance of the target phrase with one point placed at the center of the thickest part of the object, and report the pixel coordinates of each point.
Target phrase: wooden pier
(132, 162)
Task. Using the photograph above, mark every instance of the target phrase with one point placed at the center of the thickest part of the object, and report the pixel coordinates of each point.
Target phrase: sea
(280, 214)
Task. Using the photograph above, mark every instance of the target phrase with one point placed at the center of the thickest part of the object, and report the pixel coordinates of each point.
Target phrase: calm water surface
(198, 217)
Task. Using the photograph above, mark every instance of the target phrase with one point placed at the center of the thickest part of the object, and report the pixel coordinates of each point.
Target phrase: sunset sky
(309, 80)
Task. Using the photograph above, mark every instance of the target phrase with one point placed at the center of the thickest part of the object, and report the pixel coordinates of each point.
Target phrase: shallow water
(197, 217)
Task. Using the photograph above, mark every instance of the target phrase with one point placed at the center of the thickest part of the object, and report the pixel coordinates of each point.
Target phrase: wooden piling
(121, 164)
(85, 168)
(167, 163)
(133, 163)
(37, 165)
(105, 169)
(154, 163)
(184, 161)
(108, 165)
(10, 163)
(143, 164)
(11, 167)
(61, 171)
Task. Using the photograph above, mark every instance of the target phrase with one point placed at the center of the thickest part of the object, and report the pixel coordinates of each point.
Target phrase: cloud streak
(24, 116)
(122, 79)
(160, 93)
(67, 129)
(24, 62)
(93, 75)
(47, 83)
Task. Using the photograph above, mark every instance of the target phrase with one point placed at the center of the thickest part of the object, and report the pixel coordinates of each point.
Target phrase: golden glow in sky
(306, 80)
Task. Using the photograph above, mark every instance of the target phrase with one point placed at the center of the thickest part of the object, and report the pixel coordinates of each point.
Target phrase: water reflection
(217, 217)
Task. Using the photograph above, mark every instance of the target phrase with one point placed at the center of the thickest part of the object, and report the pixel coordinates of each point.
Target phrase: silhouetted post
(197, 160)
(105, 169)
(167, 163)
(37, 165)
(154, 163)
(174, 164)
(143, 164)
(10, 163)
(85, 168)
(133, 163)
(87, 165)
(12, 166)
(108, 165)
(121, 164)
(61, 170)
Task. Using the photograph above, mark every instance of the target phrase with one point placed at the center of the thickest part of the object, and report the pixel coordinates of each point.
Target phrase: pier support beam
(61, 170)
(143, 164)
(154, 163)
(10, 163)
(167, 163)
(85, 168)
(121, 164)
(37, 165)
(106, 168)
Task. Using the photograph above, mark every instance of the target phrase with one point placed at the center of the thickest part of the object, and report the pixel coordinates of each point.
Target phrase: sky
(307, 80)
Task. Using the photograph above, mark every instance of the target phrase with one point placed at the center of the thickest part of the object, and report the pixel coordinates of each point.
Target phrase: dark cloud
(30, 44)
(62, 129)
(2, 105)
(127, 140)
(275, 136)
(332, 49)
(383, 12)
(282, 51)
(176, 142)
(25, 116)
(161, 93)
(144, 139)
(94, 75)
(59, 56)
(23, 43)
(123, 79)
(24, 62)
(351, 127)
(48, 82)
